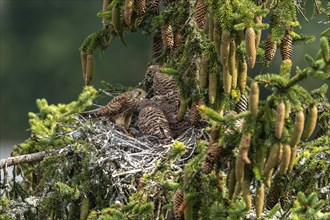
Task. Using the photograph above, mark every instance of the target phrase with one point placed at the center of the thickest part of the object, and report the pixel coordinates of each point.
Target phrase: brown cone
(270, 48)
(140, 6)
(90, 69)
(286, 46)
(212, 156)
(177, 201)
(157, 45)
(104, 8)
(195, 117)
(251, 52)
(201, 12)
(274, 193)
(154, 7)
(128, 9)
(167, 36)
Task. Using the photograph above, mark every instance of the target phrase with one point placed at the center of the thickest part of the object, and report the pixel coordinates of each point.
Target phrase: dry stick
(29, 158)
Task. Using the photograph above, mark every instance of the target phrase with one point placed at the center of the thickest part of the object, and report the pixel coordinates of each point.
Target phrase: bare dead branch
(28, 158)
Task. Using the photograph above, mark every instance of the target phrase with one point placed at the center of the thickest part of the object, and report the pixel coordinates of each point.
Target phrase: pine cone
(203, 72)
(242, 75)
(195, 117)
(128, 10)
(154, 7)
(274, 193)
(83, 58)
(167, 36)
(90, 69)
(201, 12)
(258, 20)
(250, 42)
(279, 123)
(177, 201)
(157, 45)
(286, 46)
(226, 80)
(246, 194)
(213, 84)
(140, 6)
(210, 26)
(216, 37)
(213, 153)
(285, 201)
(270, 48)
(224, 48)
(232, 64)
(259, 199)
(178, 41)
(104, 8)
(242, 104)
(254, 99)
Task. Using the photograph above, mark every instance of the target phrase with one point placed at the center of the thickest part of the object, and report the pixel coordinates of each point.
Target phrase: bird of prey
(153, 123)
(120, 108)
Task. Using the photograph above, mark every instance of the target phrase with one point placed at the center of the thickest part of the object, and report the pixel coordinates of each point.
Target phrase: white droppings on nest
(124, 159)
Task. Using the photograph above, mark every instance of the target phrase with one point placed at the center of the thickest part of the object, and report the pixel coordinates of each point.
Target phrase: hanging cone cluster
(270, 48)
(213, 153)
(286, 46)
(177, 201)
(167, 36)
(140, 6)
(201, 13)
(157, 45)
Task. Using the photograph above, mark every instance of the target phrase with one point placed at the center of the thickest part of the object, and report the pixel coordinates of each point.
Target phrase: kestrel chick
(120, 108)
(152, 122)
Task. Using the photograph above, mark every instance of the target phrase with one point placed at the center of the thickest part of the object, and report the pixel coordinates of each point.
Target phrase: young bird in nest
(120, 109)
(153, 123)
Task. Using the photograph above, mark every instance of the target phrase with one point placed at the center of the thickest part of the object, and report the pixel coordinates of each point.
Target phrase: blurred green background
(40, 58)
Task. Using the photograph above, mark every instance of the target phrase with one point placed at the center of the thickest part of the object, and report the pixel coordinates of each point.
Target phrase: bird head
(138, 94)
(152, 69)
